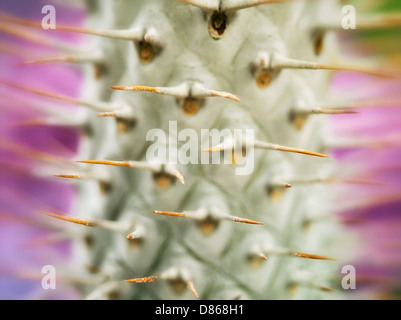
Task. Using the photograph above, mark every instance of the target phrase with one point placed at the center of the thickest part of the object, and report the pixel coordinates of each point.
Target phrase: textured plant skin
(139, 223)
(225, 263)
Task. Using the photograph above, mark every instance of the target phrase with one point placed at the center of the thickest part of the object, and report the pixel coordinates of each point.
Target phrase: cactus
(160, 215)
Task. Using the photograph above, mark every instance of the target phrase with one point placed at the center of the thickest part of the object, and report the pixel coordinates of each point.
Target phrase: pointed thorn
(32, 123)
(143, 280)
(96, 105)
(179, 176)
(226, 95)
(243, 4)
(107, 114)
(213, 149)
(325, 289)
(205, 5)
(133, 236)
(114, 34)
(68, 176)
(37, 38)
(371, 72)
(106, 162)
(69, 219)
(26, 151)
(271, 146)
(262, 256)
(310, 256)
(40, 92)
(302, 151)
(51, 59)
(354, 181)
(136, 88)
(169, 213)
(281, 62)
(191, 287)
(235, 5)
(243, 220)
(333, 111)
(90, 57)
(374, 22)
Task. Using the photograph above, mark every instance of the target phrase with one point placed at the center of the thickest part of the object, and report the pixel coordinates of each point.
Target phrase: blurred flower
(372, 210)
(26, 149)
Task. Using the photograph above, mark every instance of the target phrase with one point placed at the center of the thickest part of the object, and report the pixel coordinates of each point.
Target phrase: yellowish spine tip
(69, 219)
(132, 236)
(143, 280)
(169, 213)
(51, 59)
(302, 151)
(135, 88)
(376, 73)
(191, 287)
(214, 93)
(179, 176)
(324, 289)
(68, 176)
(106, 162)
(310, 256)
(213, 149)
(334, 111)
(243, 220)
(107, 114)
(263, 256)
